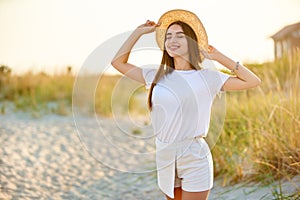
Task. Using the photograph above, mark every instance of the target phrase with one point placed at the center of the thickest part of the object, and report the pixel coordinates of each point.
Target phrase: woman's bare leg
(195, 195)
(177, 194)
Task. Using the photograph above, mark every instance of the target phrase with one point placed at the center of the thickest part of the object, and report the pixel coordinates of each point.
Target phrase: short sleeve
(149, 75)
(215, 80)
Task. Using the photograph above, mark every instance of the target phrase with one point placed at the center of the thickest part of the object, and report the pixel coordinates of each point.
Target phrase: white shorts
(187, 164)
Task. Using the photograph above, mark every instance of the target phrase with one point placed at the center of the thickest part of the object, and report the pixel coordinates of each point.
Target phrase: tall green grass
(41, 93)
(261, 134)
(118, 95)
(35, 92)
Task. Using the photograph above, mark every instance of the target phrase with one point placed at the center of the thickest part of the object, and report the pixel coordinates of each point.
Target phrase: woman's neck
(181, 64)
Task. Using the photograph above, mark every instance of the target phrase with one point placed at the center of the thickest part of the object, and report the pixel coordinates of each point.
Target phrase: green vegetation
(260, 140)
(42, 93)
(37, 93)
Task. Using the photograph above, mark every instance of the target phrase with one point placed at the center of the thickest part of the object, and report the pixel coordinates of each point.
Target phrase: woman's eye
(180, 36)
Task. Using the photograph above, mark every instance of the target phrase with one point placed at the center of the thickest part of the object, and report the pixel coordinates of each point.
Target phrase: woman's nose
(173, 39)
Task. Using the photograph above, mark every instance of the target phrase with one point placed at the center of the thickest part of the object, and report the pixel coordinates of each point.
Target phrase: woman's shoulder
(210, 71)
(213, 75)
(207, 72)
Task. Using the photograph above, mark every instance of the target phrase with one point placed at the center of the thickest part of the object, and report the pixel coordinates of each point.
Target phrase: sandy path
(45, 159)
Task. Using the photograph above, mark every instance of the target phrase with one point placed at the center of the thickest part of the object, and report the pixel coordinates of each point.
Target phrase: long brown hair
(167, 62)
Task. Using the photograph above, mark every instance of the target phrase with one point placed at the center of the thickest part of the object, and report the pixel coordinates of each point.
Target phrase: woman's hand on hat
(147, 27)
(212, 53)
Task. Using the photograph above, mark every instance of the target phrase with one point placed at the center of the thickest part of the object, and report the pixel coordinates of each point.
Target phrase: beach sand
(55, 157)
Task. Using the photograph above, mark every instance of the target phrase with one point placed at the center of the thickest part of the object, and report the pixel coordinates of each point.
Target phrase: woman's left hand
(212, 53)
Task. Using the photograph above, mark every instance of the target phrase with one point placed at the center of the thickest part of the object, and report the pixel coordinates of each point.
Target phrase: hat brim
(187, 17)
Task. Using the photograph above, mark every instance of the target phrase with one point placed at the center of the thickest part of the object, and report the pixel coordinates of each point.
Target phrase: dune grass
(36, 93)
(260, 141)
(41, 93)
(118, 95)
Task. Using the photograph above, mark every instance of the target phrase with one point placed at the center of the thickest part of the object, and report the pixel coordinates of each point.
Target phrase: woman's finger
(151, 23)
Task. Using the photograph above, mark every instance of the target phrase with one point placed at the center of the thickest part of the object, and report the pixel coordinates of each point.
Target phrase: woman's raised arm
(120, 61)
(244, 78)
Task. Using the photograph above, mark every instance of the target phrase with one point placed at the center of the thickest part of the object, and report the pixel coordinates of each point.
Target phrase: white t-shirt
(181, 102)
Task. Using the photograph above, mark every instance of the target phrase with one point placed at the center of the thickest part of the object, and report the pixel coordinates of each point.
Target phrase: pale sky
(49, 35)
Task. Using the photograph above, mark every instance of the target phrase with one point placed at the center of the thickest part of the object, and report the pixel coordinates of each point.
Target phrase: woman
(180, 98)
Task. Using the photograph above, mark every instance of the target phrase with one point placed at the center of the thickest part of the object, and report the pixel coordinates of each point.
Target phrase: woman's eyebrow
(179, 32)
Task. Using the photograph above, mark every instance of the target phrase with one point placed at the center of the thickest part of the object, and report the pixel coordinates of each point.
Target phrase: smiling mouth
(174, 47)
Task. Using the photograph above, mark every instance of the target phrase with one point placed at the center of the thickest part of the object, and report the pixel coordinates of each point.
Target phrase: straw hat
(185, 16)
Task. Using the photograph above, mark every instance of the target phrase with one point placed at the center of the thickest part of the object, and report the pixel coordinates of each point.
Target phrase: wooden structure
(287, 41)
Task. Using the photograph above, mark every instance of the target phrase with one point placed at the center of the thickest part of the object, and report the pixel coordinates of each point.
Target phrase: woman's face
(176, 41)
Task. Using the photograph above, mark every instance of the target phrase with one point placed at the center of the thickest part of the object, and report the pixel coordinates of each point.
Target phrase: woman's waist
(179, 143)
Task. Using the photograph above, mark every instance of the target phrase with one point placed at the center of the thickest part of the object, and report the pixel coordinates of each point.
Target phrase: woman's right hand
(120, 61)
(148, 27)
